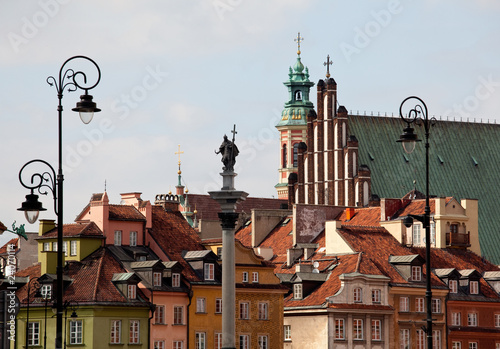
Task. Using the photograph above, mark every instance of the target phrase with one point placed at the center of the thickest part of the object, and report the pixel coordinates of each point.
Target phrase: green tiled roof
(464, 162)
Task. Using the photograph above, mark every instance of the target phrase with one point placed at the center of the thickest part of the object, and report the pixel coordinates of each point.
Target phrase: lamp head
(31, 207)
(86, 107)
(408, 221)
(408, 138)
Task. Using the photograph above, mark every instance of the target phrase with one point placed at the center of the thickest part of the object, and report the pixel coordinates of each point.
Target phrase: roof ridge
(98, 276)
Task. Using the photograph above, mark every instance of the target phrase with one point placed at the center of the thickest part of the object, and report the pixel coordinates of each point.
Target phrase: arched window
(284, 155)
(298, 95)
(295, 154)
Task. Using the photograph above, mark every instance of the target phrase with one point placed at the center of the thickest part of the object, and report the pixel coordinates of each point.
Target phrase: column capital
(228, 219)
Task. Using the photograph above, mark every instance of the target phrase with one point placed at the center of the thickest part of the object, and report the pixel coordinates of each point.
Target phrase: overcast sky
(183, 72)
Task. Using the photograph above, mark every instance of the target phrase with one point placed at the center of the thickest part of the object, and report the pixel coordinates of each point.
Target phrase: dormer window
(453, 285)
(176, 280)
(474, 287)
(46, 291)
(156, 279)
(132, 291)
(376, 296)
(209, 271)
(358, 295)
(416, 273)
(297, 291)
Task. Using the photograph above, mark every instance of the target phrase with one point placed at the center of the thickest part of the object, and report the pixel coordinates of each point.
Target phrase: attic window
(297, 291)
(452, 284)
(247, 223)
(285, 222)
(474, 287)
(209, 271)
(416, 273)
(132, 291)
(176, 280)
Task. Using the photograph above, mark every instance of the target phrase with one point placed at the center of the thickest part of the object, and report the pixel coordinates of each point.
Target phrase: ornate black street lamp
(418, 115)
(47, 180)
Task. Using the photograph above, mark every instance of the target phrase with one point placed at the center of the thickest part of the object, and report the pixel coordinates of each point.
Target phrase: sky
(184, 72)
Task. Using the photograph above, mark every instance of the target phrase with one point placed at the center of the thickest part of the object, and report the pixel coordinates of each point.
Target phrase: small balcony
(458, 239)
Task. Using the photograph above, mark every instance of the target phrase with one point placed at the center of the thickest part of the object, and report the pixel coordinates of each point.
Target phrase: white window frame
(116, 332)
(404, 338)
(357, 294)
(159, 344)
(46, 291)
(474, 287)
(404, 304)
(117, 238)
(65, 248)
(178, 315)
(134, 333)
(133, 238)
(54, 246)
(157, 276)
(46, 246)
(287, 330)
(209, 271)
(73, 248)
(263, 342)
(297, 291)
(472, 319)
(76, 332)
(419, 305)
(34, 333)
(244, 277)
(218, 340)
(417, 234)
(340, 329)
(218, 305)
(200, 340)
(160, 315)
(456, 319)
(436, 305)
(357, 329)
(244, 341)
(456, 345)
(201, 305)
(176, 280)
(453, 286)
(497, 320)
(377, 296)
(131, 291)
(416, 273)
(263, 311)
(421, 339)
(255, 277)
(472, 345)
(244, 310)
(376, 330)
(436, 339)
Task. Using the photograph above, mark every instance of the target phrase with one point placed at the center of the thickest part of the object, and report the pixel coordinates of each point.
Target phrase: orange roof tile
(13, 241)
(89, 229)
(125, 213)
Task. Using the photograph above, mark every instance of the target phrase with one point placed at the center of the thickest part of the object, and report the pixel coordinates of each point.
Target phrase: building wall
(168, 331)
(313, 336)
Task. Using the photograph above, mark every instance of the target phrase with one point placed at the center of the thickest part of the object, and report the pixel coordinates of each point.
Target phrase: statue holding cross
(229, 151)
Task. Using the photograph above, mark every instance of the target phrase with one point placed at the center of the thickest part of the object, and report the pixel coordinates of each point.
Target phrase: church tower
(293, 123)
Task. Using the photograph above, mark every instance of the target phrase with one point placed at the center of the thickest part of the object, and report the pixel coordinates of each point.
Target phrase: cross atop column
(328, 63)
(298, 40)
(234, 131)
(179, 152)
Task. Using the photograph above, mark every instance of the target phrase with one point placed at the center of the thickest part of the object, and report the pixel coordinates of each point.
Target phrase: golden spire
(298, 40)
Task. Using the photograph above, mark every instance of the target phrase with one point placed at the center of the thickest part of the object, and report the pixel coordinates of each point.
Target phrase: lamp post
(37, 285)
(74, 315)
(418, 115)
(47, 180)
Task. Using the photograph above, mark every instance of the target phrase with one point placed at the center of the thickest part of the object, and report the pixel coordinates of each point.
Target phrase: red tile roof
(125, 213)
(244, 235)
(173, 235)
(363, 217)
(89, 229)
(13, 241)
(208, 208)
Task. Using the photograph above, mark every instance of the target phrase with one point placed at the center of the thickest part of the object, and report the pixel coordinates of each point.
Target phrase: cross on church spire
(298, 40)
(328, 63)
(179, 152)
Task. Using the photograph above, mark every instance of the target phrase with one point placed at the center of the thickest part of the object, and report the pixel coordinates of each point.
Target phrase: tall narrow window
(201, 305)
(376, 296)
(34, 333)
(244, 310)
(244, 341)
(404, 338)
(218, 305)
(296, 155)
(416, 234)
(255, 277)
(497, 320)
(474, 287)
(404, 304)
(472, 319)
(118, 238)
(218, 340)
(436, 339)
(453, 285)
(54, 246)
(284, 156)
(160, 314)
(358, 295)
(76, 332)
(157, 279)
(134, 332)
(199, 340)
(339, 329)
(209, 271)
(357, 326)
(116, 331)
(416, 273)
(472, 345)
(159, 345)
(456, 319)
(421, 339)
(133, 238)
(176, 280)
(46, 246)
(288, 332)
(436, 305)
(263, 342)
(297, 291)
(65, 248)
(376, 330)
(263, 311)
(419, 305)
(244, 277)
(132, 291)
(46, 291)
(73, 248)
(456, 345)
(178, 315)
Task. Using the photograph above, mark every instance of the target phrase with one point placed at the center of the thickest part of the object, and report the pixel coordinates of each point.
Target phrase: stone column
(228, 198)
